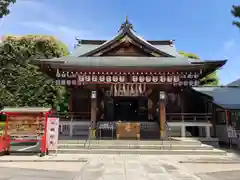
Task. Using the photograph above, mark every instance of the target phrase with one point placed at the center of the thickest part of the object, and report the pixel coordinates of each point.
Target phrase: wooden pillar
(93, 108)
(227, 113)
(162, 114)
(70, 98)
(214, 123)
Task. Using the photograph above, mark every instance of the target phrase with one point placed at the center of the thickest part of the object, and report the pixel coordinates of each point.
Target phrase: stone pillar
(71, 129)
(93, 108)
(208, 133)
(183, 130)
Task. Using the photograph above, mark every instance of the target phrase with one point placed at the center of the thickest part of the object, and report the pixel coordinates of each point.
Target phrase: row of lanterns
(75, 74)
(134, 79)
(155, 79)
(94, 78)
(64, 82)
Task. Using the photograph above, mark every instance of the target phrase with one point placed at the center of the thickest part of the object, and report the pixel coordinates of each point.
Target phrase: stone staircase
(173, 147)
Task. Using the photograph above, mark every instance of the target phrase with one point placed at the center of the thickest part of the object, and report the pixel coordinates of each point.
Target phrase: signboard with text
(52, 134)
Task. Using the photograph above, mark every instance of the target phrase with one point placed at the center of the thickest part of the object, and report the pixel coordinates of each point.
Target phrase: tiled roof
(119, 61)
(85, 48)
(25, 109)
(226, 97)
(235, 83)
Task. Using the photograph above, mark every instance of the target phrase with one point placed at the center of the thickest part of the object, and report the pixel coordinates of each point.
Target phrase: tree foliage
(4, 4)
(21, 82)
(236, 13)
(210, 80)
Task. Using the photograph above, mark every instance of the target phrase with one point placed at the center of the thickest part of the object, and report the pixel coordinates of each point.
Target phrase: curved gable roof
(126, 30)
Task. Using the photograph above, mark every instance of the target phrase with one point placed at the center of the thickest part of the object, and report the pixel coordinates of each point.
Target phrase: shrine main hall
(129, 87)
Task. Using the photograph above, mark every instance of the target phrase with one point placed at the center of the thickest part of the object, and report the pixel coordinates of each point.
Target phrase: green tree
(4, 4)
(21, 82)
(236, 13)
(210, 80)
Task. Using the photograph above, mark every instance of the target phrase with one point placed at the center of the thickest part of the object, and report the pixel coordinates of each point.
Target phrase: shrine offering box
(128, 130)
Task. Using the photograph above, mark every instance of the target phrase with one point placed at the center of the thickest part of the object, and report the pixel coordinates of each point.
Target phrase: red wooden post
(44, 137)
(227, 117)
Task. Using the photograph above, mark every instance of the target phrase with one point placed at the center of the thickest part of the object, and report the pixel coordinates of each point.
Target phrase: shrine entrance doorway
(126, 109)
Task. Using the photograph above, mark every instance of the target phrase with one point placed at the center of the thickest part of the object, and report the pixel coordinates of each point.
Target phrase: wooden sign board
(24, 126)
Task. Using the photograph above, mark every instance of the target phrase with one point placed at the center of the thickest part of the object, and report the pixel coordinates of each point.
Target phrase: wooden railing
(73, 116)
(188, 117)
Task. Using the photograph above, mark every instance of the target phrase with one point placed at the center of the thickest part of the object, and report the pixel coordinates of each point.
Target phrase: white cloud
(64, 32)
(44, 17)
(228, 45)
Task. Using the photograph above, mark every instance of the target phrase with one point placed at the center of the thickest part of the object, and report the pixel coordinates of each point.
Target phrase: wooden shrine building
(134, 86)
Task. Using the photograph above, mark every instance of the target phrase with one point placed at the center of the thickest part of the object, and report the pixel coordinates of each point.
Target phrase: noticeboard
(52, 134)
(25, 125)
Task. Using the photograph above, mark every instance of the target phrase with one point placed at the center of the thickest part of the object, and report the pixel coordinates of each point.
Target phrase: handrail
(169, 133)
(169, 130)
(72, 116)
(89, 138)
(188, 117)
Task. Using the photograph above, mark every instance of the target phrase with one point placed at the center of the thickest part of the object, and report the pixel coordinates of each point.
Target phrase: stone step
(142, 151)
(130, 146)
(133, 142)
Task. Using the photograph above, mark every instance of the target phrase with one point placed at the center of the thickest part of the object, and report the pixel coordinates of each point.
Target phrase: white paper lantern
(63, 74)
(141, 78)
(87, 78)
(176, 79)
(109, 78)
(63, 82)
(81, 78)
(134, 78)
(115, 78)
(169, 78)
(58, 73)
(155, 79)
(162, 79)
(122, 78)
(148, 78)
(68, 82)
(190, 76)
(94, 78)
(101, 78)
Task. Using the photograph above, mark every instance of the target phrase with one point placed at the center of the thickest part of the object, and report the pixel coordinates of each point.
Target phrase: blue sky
(202, 27)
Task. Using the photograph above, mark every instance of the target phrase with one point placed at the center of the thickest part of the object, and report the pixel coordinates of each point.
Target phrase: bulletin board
(25, 125)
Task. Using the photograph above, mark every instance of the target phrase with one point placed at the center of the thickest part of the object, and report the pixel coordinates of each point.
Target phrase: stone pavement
(220, 175)
(7, 173)
(124, 167)
(119, 167)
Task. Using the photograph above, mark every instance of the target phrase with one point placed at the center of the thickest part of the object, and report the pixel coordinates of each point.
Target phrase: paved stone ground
(33, 174)
(118, 167)
(222, 175)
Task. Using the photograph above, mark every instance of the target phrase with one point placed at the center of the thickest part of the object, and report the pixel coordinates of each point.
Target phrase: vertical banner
(52, 134)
